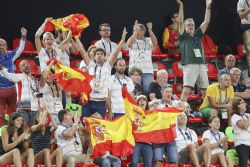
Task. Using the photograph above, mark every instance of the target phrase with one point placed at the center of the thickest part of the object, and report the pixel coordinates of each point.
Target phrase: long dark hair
(235, 106)
(10, 128)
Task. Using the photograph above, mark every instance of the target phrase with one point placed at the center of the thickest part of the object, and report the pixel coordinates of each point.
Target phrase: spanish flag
(72, 80)
(113, 136)
(158, 126)
(74, 22)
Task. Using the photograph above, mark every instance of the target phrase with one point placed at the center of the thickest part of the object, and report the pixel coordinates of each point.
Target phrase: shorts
(195, 73)
(184, 156)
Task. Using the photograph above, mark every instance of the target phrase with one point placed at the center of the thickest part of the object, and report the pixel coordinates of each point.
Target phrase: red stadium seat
(94, 41)
(157, 54)
(177, 89)
(159, 66)
(75, 63)
(177, 70)
(125, 52)
(212, 72)
(35, 71)
(196, 120)
(28, 48)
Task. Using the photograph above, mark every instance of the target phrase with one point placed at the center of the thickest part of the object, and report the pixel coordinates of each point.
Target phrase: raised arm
(45, 74)
(151, 34)
(74, 47)
(41, 122)
(66, 42)
(12, 77)
(131, 40)
(83, 52)
(21, 45)
(206, 21)
(118, 49)
(180, 17)
(38, 34)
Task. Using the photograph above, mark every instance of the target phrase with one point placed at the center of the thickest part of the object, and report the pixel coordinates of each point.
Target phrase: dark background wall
(224, 26)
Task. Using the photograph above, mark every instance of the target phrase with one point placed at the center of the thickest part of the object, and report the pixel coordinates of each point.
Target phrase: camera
(39, 95)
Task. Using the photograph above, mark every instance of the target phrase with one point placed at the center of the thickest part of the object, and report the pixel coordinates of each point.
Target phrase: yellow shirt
(221, 96)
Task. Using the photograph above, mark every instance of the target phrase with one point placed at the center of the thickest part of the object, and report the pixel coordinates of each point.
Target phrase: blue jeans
(94, 106)
(108, 161)
(147, 153)
(147, 78)
(169, 148)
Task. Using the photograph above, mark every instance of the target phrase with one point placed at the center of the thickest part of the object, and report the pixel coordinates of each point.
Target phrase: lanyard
(100, 72)
(110, 47)
(116, 76)
(144, 45)
(245, 116)
(225, 101)
(214, 135)
(187, 131)
(53, 53)
(52, 90)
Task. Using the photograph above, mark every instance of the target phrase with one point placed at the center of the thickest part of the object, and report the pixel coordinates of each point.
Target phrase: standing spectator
(101, 70)
(229, 63)
(170, 35)
(119, 80)
(240, 123)
(105, 42)
(140, 52)
(52, 92)
(135, 74)
(240, 89)
(14, 145)
(67, 136)
(50, 50)
(156, 87)
(193, 59)
(8, 93)
(219, 98)
(41, 139)
(28, 92)
(217, 142)
(243, 9)
(187, 145)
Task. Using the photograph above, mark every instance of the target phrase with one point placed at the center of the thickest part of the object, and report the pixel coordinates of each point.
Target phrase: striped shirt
(140, 55)
(41, 141)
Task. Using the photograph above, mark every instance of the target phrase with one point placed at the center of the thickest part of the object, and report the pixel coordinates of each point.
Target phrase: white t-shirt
(185, 138)
(242, 4)
(108, 46)
(140, 55)
(64, 58)
(213, 138)
(52, 97)
(100, 83)
(242, 136)
(117, 104)
(172, 103)
(45, 56)
(68, 146)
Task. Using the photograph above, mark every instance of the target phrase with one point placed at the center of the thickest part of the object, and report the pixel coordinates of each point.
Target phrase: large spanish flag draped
(158, 126)
(73, 80)
(113, 136)
(74, 22)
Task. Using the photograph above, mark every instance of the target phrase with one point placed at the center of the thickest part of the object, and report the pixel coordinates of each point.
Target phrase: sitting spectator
(144, 149)
(135, 74)
(240, 124)
(240, 89)
(219, 97)
(105, 43)
(170, 35)
(140, 52)
(229, 63)
(50, 50)
(106, 160)
(14, 145)
(156, 87)
(41, 139)
(118, 80)
(52, 92)
(193, 58)
(187, 145)
(8, 93)
(67, 136)
(166, 100)
(217, 142)
(28, 92)
(101, 70)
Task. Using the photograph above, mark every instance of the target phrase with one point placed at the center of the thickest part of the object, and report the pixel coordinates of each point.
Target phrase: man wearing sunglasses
(187, 145)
